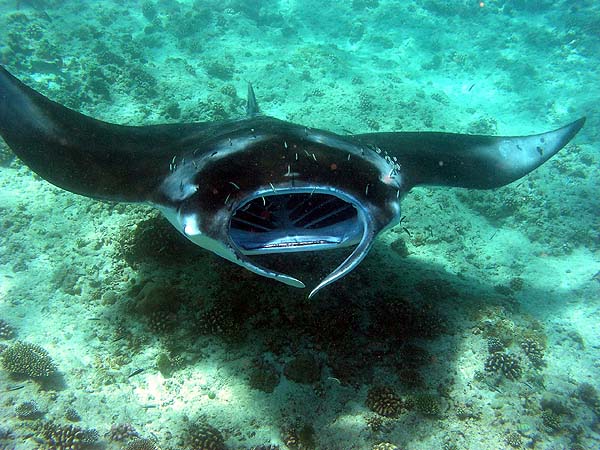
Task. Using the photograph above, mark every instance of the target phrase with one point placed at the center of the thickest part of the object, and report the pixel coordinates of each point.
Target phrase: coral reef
(72, 415)
(300, 437)
(304, 368)
(554, 403)
(28, 359)
(202, 436)
(495, 345)
(6, 330)
(400, 247)
(67, 437)
(28, 410)
(122, 432)
(217, 321)
(426, 404)
(384, 401)
(6, 433)
(162, 321)
(505, 363)
(513, 439)
(516, 284)
(534, 351)
(465, 412)
(411, 378)
(264, 377)
(167, 363)
(374, 422)
(588, 394)
(551, 420)
(403, 318)
(141, 444)
(151, 238)
(385, 446)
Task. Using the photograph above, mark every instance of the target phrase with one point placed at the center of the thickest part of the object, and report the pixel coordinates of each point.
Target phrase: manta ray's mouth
(295, 222)
(301, 220)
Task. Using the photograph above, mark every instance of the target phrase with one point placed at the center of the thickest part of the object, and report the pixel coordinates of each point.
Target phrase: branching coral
(72, 415)
(551, 420)
(374, 422)
(6, 331)
(122, 432)
(67, 437)
(534, 351)
(504, 363)
(28, 359)
(495, 345)
(513, 439)
(426, 404)
(28, 410)
(216, 320)
(299, 437)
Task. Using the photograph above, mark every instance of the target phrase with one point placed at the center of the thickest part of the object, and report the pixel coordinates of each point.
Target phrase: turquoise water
(472, 324)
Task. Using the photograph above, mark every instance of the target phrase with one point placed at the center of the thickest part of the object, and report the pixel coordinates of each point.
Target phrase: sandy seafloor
(108, 289)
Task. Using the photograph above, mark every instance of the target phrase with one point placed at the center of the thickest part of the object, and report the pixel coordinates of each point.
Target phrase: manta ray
(257, 184)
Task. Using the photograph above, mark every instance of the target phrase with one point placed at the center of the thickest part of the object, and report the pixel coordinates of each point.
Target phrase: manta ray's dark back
(125, 163)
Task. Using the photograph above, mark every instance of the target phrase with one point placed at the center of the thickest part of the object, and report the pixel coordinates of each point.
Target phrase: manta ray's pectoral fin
(84, 155)
(471, 161)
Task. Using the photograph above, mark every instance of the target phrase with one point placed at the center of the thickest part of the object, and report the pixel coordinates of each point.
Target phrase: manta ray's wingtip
(577, 125)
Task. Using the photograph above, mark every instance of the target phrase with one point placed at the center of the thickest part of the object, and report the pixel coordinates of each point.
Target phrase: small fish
(597, 277)
(136, 372)
(15, 388)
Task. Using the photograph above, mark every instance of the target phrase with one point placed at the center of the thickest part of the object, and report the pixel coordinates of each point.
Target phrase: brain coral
(28, 359)
(203, 436)
(141, 444)
(384, 401)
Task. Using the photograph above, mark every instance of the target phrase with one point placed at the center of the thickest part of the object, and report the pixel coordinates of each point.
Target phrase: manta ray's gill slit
(332, 216)
(254, 218)
(322, 210)
(252, 225)
(288, 216)
(311, 205)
